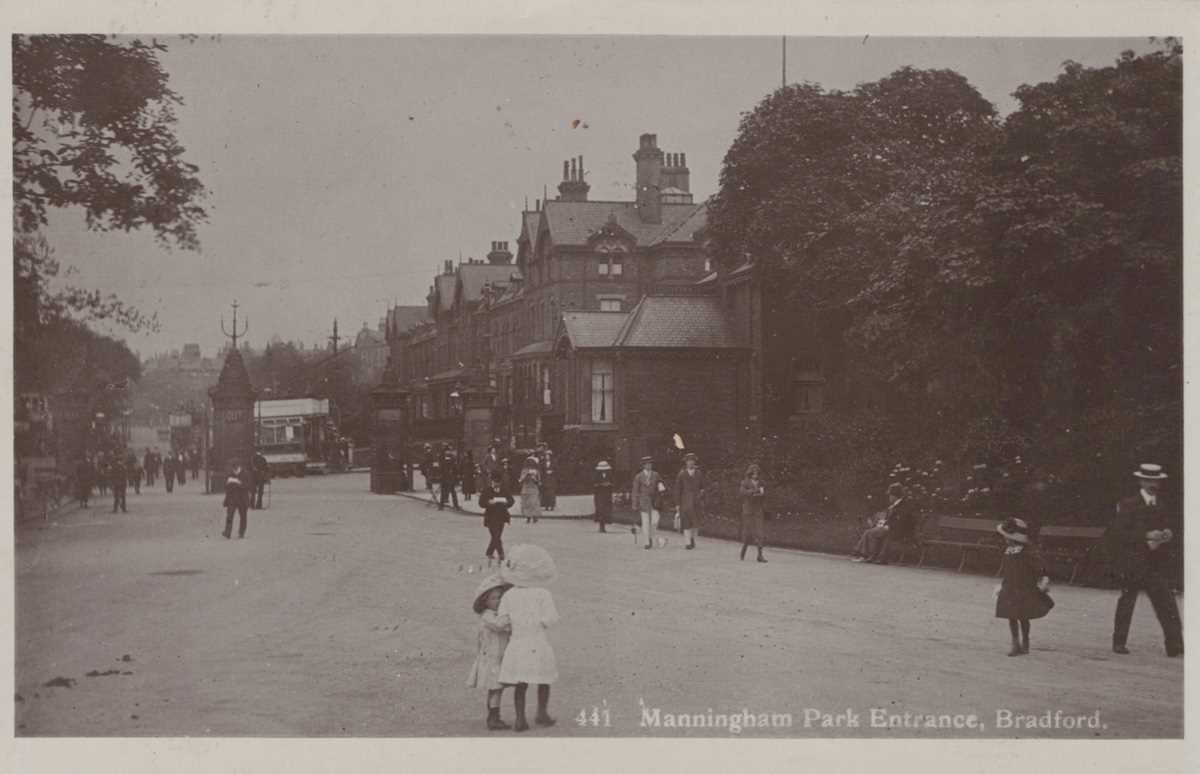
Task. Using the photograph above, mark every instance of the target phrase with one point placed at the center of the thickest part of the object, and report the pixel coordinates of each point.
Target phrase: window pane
(610, 305)
(603, 269)
(616, 268)
(602, 391)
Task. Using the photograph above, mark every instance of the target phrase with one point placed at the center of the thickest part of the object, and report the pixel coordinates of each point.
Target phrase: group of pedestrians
(1140, 544)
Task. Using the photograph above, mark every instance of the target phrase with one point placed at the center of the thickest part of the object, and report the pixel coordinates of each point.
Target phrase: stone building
(610, 329)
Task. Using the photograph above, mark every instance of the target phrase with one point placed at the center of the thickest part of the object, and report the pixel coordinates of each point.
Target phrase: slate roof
(590, 330)
(475, 275)
(536, 348)
(684, 230)
(571, 223)
(529, 226)
(677, 321)
(402, 318)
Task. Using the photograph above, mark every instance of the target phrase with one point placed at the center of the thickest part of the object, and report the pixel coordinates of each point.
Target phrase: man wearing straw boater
(646, 492)
(1140, 542)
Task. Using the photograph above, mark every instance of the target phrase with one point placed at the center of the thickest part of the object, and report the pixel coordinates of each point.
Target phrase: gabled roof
(677, 321)
(571, 223)
(444, 288)
(592, 330)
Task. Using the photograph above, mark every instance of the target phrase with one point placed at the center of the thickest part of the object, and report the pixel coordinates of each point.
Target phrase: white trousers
(649, 525)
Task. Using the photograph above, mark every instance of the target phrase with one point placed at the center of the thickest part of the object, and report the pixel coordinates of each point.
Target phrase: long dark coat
(689, 494)
(1019, 595)
(602, 496)
(1125, 540)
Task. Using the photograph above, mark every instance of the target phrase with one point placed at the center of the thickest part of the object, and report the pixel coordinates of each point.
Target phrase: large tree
(1019, 280)
(94, 127)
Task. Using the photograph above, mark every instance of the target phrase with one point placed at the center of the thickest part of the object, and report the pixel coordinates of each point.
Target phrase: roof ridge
(634, 315)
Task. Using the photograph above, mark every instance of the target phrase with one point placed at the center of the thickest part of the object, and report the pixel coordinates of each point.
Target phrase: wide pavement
(348, 614)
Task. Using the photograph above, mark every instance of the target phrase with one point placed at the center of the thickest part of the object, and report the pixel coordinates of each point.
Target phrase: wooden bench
(1075, 545)
(970, 536)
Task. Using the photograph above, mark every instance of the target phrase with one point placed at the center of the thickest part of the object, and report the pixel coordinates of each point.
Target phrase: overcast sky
(342, 171)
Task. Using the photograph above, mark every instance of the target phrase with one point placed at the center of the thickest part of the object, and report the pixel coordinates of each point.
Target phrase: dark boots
(494, 723)
(520, 723)
(543, 718)
(761, 558)
(744, 547)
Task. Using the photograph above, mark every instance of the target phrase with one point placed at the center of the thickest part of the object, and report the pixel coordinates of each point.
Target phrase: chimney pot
(566, 173)
(683, 159)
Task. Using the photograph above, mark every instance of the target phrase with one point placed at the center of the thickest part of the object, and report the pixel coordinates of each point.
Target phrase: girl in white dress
(493, 639)
(529, 609)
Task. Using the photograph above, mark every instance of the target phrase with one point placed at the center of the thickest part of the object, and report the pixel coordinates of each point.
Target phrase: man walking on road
(1140, 542)
(237, 499)
(117, 477)
(262, 475)
(647, 492)
(448, 472)
(168, 469)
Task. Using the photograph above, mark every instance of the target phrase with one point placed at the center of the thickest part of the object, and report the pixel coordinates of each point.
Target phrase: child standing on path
(1021, 595)
(493, 640)
(495, 502)
(529, 609)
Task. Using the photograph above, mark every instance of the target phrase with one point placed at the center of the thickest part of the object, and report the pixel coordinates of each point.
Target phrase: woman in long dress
(531, 491)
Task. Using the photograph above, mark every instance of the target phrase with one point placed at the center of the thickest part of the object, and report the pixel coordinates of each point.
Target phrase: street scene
(521, 387)
(335, 617)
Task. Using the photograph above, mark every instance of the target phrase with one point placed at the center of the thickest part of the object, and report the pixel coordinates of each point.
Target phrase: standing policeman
(1140, 542)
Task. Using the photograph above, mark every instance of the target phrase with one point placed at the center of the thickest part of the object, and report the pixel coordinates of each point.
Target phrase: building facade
(610, 330)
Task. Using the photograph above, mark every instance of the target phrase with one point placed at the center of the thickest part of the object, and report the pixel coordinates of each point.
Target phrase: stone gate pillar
(478, 410)
(233, 420)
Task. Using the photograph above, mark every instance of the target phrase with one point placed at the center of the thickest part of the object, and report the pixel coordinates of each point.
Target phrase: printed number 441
(597, 717)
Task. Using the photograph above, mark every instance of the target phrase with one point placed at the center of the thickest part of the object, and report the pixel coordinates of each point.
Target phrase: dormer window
(611, 266)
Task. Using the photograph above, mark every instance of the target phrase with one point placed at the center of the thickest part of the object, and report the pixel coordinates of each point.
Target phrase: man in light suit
(647, 488)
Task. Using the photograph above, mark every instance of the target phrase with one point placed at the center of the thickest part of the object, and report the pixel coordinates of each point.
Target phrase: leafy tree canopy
(93, 127)
(1021, 274)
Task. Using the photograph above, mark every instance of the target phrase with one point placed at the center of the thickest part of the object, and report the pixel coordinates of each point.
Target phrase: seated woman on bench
(897, 524)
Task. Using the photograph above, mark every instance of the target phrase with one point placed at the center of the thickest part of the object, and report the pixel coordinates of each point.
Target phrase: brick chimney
(649, 178)
(448, 266)
(573, 188)
(676, 174)
(500, 254)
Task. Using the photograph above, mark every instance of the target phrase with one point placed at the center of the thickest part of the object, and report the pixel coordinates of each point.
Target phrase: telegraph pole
(784, 67)
(335, 338)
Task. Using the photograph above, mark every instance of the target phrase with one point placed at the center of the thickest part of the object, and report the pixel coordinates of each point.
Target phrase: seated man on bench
(897, 524)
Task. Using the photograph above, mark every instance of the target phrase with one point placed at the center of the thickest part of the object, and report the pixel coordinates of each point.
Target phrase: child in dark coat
(495, 501)
(1021, 595)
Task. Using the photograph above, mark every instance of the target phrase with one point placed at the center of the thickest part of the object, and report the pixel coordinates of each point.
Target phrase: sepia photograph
(597, 386)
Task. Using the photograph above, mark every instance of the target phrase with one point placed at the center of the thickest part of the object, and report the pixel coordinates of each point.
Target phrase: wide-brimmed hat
(690, 456)
(604, 465)
(1014, 529)
(493, 581)
(528, 565)
(531, 459)
(1150, 472)
(647, 458)
(753, 468)
(895, 488)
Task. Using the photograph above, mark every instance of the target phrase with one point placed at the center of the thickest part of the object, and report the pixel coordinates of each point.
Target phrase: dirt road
(348, 614)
